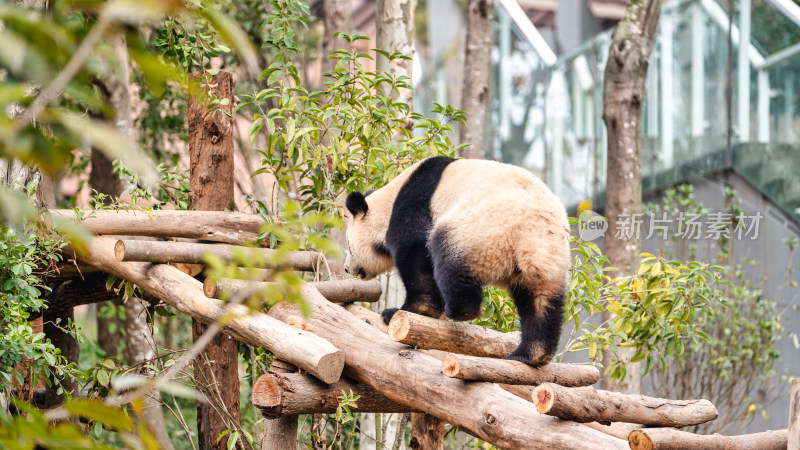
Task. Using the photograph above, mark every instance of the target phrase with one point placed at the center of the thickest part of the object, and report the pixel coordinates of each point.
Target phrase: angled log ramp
(336, 291)
(456, 337)
(587, 404)
(413, 378)
(515, 372)
(193, 252)
(672, 439)
(288, 394)
(215, 226)
(303, 349)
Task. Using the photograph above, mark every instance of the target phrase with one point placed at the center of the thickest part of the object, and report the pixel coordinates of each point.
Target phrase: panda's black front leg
(422, 295)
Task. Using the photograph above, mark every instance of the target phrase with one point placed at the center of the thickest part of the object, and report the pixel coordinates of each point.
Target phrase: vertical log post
(794, 415)
(427, 432)
(211, 181)
(280, 432)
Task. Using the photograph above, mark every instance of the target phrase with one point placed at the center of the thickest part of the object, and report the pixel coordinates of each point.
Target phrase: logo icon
(591, 225)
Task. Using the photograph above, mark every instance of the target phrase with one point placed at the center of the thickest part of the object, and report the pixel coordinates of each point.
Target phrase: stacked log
(185, 294)
(414, 378)
(587, 404)
(515, 372)
(671, 439)
(336, 291)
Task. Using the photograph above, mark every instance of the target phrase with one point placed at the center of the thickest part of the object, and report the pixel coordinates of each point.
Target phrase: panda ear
(356, 203)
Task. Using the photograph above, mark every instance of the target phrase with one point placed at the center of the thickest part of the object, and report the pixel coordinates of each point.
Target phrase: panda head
(367, 254)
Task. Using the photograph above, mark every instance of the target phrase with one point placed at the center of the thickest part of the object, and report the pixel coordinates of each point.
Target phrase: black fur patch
(356, 203)
(381, 249)
(411, 219)
(539, 335)
(407, 236)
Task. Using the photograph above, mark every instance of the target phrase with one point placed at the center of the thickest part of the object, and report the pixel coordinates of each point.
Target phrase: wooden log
(586, 404)
(337, 291)
(414, 378)
(427, 432)
(794, 415)
(193, 253)
(515, 372)
(617, 429)
(672, 439)
(280, 433)
(457, 337)
(279, 395)
(301, 348)
(215, 226)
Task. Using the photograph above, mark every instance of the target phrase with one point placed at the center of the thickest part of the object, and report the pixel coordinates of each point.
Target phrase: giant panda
(452, 226)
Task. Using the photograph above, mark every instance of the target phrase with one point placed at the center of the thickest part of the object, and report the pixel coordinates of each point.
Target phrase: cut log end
(210, 288)
(119, 251)
(451, 366)
(543, 397)
(399, 326)
(639, 440)
(330, 367)
(267, 392)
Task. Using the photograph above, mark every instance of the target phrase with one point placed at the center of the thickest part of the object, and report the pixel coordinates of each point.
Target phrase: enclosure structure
(343, 347)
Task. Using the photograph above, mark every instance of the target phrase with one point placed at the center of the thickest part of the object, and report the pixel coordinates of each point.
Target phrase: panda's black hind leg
(541, 330)
(461, 292)
(416, 270)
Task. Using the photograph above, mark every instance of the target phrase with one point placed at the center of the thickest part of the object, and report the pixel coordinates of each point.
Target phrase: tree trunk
(395, 34)
(794, 415)
(427, 432)
(671, 439)
(211, 180)
(337, 17)
(140, 346)
(623, 95)
(104, 181)
(586, 404)
(515, 372)
(477, 63)
(414, 378)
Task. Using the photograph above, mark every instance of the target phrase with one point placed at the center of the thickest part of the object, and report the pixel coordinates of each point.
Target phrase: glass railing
(714, 100)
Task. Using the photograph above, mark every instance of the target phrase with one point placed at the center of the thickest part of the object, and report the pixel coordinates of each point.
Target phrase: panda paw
(535, 358)
(388, 313)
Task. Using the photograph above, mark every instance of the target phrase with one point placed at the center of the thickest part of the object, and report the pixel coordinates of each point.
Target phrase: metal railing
(547, 114)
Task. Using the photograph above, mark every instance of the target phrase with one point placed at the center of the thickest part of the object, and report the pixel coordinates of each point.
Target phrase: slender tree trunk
(477, 62)
(395, 33)
(139, 346)
(623, 95)
(103, 180)
(211, 164)
(338, 18)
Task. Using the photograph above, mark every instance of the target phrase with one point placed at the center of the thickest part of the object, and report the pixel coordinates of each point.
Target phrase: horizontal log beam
(671, 439)
(170, 252)
(414, 378)
(456, 337)
(586, 404)
(514, 372)
(301, 348)
(279, 395)
(215, 226)
(337, 291)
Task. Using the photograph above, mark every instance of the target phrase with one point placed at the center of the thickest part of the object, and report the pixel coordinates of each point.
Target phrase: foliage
(659, 312)
(25, 356)
(735, 366)
(351, 136)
